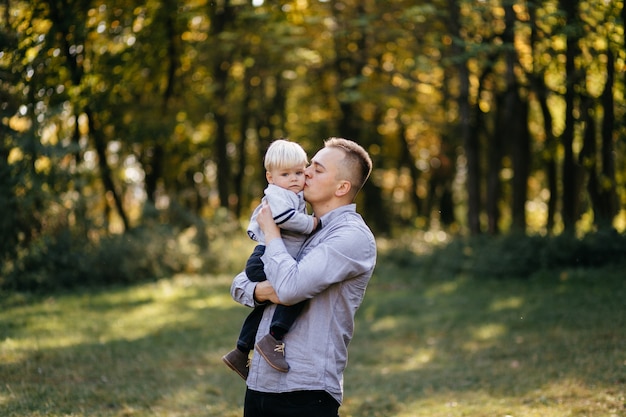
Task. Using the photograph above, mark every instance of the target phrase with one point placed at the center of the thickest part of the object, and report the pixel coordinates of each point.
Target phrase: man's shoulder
(349, 222)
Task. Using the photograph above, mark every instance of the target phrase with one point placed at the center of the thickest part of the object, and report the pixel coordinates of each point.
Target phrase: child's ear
(268, 177)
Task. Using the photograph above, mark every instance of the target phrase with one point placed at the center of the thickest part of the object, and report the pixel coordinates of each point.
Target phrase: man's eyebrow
(314, 162)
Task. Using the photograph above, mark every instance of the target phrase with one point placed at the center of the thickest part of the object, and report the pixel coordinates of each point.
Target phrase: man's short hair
(358, 162)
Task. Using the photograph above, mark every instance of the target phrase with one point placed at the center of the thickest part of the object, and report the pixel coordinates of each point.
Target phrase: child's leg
(245, 343)
(254, 265)
(283, 319)
(271, 346)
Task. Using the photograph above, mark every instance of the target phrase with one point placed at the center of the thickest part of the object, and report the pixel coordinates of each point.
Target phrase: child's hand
(267, 224)
(265, 292)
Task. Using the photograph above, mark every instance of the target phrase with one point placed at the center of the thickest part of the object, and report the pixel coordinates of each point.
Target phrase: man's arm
(334, 260)
(250, 293)
(264, 291)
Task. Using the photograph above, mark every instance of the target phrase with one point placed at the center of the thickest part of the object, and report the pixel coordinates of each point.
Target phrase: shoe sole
(234, 368)
(279, 369)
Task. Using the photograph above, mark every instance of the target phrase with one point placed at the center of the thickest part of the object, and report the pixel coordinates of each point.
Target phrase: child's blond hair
(283, 154)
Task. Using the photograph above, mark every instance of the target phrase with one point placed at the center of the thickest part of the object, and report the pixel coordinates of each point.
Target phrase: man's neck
(321, 209)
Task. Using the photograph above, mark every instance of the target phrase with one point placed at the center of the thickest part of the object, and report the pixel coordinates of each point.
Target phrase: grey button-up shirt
(332, 270)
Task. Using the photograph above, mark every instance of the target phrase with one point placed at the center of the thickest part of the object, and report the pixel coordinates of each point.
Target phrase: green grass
(553, 345)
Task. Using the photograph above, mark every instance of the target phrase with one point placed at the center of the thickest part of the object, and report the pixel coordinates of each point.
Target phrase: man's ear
(343, 188)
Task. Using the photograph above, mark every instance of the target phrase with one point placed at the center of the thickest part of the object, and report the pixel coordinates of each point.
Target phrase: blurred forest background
(132, 132)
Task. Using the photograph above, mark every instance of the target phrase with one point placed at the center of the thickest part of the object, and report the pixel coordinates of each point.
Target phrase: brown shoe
(273, 351)
(238, 362)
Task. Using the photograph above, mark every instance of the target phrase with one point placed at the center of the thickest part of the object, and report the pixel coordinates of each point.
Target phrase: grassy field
(553, 345)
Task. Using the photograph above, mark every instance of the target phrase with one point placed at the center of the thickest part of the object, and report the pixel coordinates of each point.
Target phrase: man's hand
(263, 291)
(267, 223)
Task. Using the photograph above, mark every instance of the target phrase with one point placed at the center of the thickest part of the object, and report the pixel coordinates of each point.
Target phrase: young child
(284, 163)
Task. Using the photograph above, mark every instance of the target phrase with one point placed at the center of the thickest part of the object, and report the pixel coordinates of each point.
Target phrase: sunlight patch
(386, 323)
(419, 359)
(444, 288)
(10, 352)
(216, 301)
(489, 331)
(507, 304)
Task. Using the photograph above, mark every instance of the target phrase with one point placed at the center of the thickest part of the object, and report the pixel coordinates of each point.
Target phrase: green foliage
(9, 226)
(139, 255)
(24, 194)
(61, 258)
(518, 256)
(596, 249)
(65, 260)
(49, 262)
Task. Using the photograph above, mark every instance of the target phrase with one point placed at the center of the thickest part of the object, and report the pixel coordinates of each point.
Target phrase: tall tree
(599, 164)
(69, 31)
(516, 118)
(351, 39)
(222, 15)
(537, 85)
(570, 173)
(466, 131)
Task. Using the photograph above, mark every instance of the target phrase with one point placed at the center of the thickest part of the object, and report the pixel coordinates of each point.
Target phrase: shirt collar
(328, 218)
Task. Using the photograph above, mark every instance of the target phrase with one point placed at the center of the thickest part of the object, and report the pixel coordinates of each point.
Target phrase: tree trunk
(515, 126)
(407, 159)
(623, 16)
(105, 170)
(241, 149)
(221, 17)
(495, 153)
(570, 199)
(153, 165)
(608, 204)
(67, 38)
(349, 65)
(520, 157)
(468, 135)
(549, 158)
(539, 87)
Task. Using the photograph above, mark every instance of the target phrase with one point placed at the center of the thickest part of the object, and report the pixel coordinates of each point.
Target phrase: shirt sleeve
(242, 290)
(289, 210)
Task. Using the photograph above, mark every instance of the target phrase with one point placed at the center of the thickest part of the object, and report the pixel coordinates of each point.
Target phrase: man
(332, 271)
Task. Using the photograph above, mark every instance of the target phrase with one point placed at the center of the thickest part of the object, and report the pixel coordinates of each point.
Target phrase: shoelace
(280, 348)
